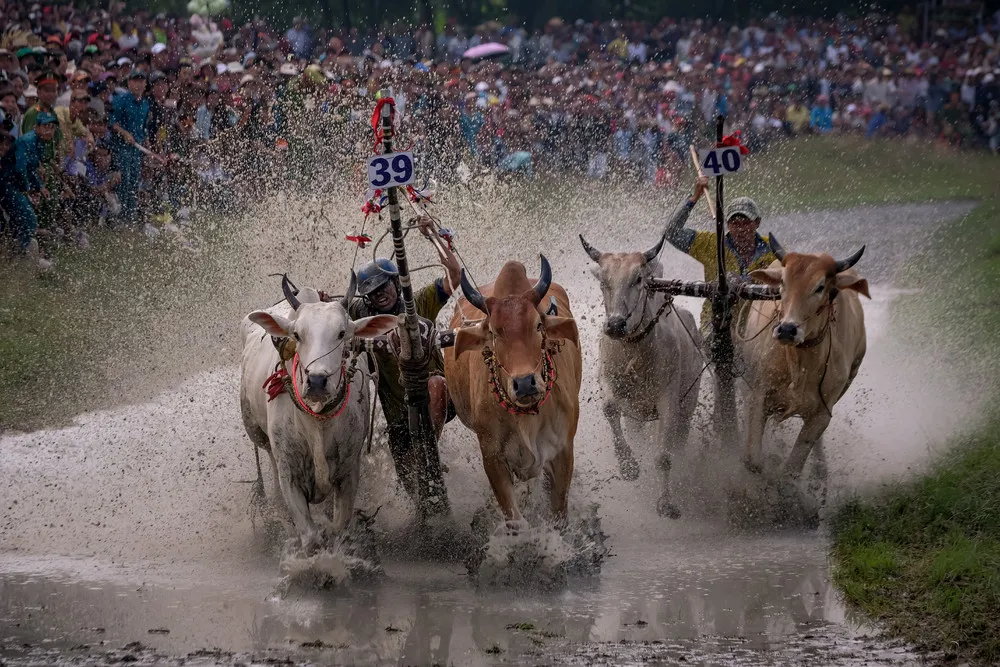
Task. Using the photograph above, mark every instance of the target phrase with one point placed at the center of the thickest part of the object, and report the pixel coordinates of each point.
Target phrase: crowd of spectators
(119, 118)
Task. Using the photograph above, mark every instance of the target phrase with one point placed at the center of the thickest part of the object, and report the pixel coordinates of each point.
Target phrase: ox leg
(561, 474)
(259, 439)
(688, 405)
(346, 493)
(627, 464)
(811, 433)
(669, 425)
(756, 420)
(297, 505)
(820, 472)
(503, 486)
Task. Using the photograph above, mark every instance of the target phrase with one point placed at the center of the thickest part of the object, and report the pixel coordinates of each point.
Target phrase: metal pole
(413, 361)
(722, 341)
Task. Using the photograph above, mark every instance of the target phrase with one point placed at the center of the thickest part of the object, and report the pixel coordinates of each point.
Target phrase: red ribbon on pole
(417, 195)
(372, 205)
(734, 140)
(377, 118)
(361, 239)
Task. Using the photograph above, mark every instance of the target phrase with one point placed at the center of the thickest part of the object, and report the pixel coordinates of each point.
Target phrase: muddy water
(131, 525)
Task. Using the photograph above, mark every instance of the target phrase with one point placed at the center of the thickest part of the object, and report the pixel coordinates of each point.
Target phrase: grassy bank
(924, 558)
(63, 331)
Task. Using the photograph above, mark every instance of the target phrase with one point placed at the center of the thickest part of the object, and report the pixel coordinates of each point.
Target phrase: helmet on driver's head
(375, 274)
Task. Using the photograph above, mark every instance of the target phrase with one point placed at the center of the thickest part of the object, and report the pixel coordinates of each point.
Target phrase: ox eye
(820, 288)
(295, 335)
(341, 336)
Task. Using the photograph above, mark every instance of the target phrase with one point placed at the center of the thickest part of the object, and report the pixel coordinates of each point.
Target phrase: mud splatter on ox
(522, 397)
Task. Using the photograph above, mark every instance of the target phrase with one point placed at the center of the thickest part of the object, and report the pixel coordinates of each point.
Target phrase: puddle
(699, 592)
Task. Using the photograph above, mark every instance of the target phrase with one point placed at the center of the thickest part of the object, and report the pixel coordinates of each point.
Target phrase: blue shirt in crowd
(130, 114)
(19, 167)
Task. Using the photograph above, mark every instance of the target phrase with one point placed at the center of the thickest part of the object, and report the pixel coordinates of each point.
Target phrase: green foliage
(925, 558)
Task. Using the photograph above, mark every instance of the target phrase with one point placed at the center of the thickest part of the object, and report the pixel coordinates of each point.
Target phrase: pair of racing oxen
(515, 370)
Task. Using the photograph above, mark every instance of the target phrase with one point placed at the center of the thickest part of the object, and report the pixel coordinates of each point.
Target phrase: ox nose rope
(500, 392)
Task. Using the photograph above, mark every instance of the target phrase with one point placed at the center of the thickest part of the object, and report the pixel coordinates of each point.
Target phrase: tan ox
(515, 380)
(815, 347)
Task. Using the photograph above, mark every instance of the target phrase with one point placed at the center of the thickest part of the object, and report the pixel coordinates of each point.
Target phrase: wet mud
(127, 536)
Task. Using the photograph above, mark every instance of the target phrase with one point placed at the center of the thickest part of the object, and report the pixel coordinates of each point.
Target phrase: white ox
(314, 429)
(649, 358)
(803, 351)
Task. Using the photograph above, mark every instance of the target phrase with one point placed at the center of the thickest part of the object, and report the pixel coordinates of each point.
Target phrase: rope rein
(635, 337)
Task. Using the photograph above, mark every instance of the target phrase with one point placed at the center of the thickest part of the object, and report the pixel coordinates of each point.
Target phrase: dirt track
(134, 519)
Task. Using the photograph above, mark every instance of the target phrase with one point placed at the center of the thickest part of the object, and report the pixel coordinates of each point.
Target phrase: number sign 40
(719, 161)
(390, 170)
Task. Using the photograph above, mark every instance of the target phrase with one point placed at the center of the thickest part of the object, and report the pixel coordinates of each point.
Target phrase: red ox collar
(281, 381)
(500, 394)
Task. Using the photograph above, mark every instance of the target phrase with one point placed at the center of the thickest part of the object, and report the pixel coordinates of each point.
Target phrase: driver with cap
(745, 249)
(378, 287)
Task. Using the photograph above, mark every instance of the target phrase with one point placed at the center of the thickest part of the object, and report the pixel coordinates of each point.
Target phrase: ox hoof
(515, 527)
(629, 468)
(667, 509)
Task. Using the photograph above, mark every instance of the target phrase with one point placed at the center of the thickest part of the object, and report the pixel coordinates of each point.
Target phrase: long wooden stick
(697, 167)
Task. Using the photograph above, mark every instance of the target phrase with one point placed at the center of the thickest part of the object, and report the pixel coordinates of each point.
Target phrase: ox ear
(854, 282)
(370, 327)
(274, 325)
(768, 276)
(562, 328)
(469, 338)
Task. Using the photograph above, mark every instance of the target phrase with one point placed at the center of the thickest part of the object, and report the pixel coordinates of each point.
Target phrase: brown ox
(515, 380)
(816, 346)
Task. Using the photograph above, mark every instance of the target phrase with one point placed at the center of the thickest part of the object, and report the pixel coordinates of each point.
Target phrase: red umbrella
(488, 50)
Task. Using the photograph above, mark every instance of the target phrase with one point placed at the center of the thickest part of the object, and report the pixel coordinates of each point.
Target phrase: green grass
(924, 557)
(61, 331)
(824, 172)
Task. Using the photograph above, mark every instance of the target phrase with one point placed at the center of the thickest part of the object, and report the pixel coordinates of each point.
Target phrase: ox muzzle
(788, 333)
(615, 327)
(319, 388)
(526, 387)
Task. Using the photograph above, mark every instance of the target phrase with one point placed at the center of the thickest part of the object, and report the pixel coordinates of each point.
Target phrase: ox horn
(844, 264)
(593, 252)
(544, 281)
(352, 289)
(290, 291)
(472, 294)
(776, 248)
(653, 252)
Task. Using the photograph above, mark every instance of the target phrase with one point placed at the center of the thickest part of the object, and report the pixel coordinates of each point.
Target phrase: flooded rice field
(127, 537)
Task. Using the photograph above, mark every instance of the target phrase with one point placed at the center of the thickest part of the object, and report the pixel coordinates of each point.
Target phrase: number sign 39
(390, 169)
(719, 161)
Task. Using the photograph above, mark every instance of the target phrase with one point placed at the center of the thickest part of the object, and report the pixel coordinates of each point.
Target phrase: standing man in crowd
(47, 86)
(745, 249)
(21, 185)
(129, 121)
(378, 286)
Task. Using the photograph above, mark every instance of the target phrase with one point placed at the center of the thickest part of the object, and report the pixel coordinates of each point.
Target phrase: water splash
(350, 557)
(543, 556)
